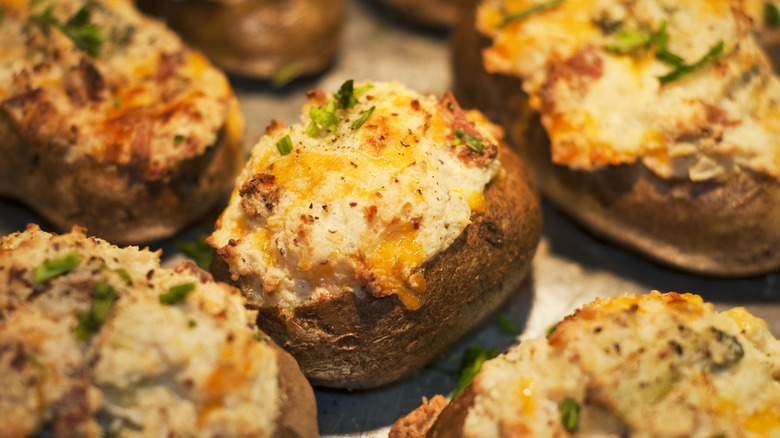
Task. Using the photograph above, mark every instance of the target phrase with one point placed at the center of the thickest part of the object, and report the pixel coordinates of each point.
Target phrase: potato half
(676, 163)
(615, 363)
(258, 38)
(373, 242)
(108, 121)
(97, 340)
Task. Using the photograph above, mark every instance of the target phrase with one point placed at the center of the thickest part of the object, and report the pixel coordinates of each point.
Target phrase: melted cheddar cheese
(142, 100)
(655, 365)
(356, 210)
(601, 107)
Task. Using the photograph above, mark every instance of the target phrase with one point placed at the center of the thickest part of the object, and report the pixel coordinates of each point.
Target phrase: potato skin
(256, 38)
(115, 202)
(298, 407)
(428, 13)
(716, 228)
(360, 342)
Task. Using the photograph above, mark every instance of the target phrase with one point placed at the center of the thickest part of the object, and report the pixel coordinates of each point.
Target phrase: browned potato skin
(298, 408)
(428, 13)
(256, 38)
(114, 202)
(433, 421)
(716, 228)
(351, 342)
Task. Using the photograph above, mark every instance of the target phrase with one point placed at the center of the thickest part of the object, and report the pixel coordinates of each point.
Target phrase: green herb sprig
(54, 267)
(474, 143)
(344, 98)
(85, 35)
(363, 117)
(197, 249)
(570, 414)
(176, 293)
(103, 296)
(683, 70)
(470, 364)
(284, 145)
(521, 15)
(771, 15)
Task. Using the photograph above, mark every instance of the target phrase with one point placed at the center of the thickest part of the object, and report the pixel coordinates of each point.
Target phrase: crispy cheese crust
(94, 351)
(369, 248)
(108, 121)
(657, 365)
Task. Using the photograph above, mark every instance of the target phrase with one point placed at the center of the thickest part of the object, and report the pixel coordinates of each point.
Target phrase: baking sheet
(570, 268)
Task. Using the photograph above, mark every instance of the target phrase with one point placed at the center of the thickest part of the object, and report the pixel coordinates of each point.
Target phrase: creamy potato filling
(357, 196)
(681, 87)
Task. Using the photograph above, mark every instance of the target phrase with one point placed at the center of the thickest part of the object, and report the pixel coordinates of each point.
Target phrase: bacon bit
(416, 105)
(316, 96)
(273, 126)
(260, 195)
(307, 218)
(353, 164)
(370, 212)
(353, 204)
(378, 194)
(578, 72)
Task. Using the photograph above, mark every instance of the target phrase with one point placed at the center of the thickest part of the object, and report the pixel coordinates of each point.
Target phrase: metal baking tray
(570, 268)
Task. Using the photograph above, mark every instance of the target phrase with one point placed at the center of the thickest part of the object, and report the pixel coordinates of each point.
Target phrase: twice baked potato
(108, 121)
(654, 127)
(258, 38)
(656, 365)
(97, 340)
(377, 231)
(429, 13)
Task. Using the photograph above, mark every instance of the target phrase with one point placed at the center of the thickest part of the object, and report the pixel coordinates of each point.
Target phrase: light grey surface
(570, 268)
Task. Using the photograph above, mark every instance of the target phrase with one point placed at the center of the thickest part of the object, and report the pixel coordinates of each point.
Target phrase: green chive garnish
(85, 36)
(89, 323)
(529, 11)
(470, 364)
(626, 42)
(54, 267)
(324, 118)
(771, 15)
(570, 414)
(474, 143)
(176, 293)
(312, 130)
(197, 249)
(551, 329)
(507, 326)
(178, 138)
(364, 116)
(345, 97)
(683, 70)
(284, 145)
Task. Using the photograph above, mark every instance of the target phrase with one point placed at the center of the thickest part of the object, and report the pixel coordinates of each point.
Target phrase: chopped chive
(507, 326)
(771, 15)
(125, 276)
(629, 41)
(197, 249)
(570, 414)
(117, 103)
(324, 118)
(551, 329)
(285, 74)
(683, 70)
(345, 97)
(363, 89)
(178, 138)
(103, 296)
(54, 267)
(284, 145)
(192, 323)
(312, 130)
(517, 16)
(661, 37)
(474, 143)
(85, 36)
(470, 364)
(364, 116)
(176, 293)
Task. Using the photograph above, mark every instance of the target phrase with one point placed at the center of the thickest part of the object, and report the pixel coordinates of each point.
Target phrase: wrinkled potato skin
(114, 202)
(428, 13)
(255, 38)
(298, 408)
(451, 420)
(352, 342)
(717, 228)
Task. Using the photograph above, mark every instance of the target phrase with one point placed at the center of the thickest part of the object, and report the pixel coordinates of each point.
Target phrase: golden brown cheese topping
(657, 365)
(682, 87)
(372, 183)
(97, 341)
(97, 80)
